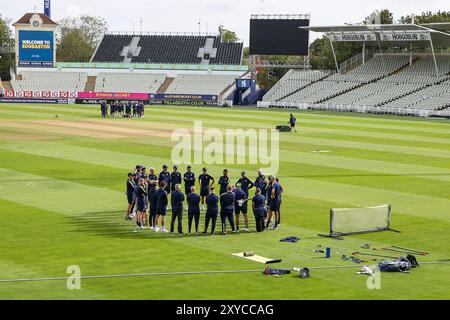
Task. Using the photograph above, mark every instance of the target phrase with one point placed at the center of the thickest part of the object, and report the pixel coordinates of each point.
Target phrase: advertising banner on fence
(34, 100)
(183, 97)
(40, 94)
(35, 48)
(112, 95)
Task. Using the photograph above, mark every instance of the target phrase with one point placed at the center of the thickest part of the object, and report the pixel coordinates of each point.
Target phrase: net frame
(336, 234)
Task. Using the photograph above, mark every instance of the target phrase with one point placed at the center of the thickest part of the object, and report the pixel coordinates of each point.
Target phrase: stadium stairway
(166, 84)
(90, 84)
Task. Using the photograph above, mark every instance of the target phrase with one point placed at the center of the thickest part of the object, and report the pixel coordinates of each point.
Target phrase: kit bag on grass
(400, 265)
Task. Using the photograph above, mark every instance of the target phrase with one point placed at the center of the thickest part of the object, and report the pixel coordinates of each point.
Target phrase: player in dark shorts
(193, 200)
(240, 206)
(224, 181)
(268, 196)
(176, 200)
(189, 180)
(161, 207)
(212, 211)
(281, 200)
(245, 183)
(175, 178)
(141, 202)
(226, 209)
(206, 182)
(130, 195)
(259, 210)
(292, 121)
(165, 176)
(152, 182)
(275, 202)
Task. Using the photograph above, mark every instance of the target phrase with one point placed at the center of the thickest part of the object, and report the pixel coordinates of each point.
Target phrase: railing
(150, 66)
(162, 33)
(359, 109)
(355, 61)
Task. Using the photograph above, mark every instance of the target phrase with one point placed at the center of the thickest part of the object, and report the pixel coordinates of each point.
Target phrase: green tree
(6, 48)
(384, 16)
(77, 37)
(321, 53)
(228, 35)
(426, 17)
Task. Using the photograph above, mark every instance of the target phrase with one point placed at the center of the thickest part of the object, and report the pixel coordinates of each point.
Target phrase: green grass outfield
(62, 203)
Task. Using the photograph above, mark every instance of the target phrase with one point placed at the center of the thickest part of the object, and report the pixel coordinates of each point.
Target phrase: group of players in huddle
(148, 197)
(125, 109)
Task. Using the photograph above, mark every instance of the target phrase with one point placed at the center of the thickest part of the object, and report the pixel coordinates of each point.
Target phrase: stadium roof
(26, 18)
(439, 38)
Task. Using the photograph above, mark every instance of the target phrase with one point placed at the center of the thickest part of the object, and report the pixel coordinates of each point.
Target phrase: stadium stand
(129, 82)
(387, 81)
(50, 81)
(293, 81)
(336, 84)
(171, 49)
(200, 84)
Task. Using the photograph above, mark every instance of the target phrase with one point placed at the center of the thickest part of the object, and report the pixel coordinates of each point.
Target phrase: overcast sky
(183, 15)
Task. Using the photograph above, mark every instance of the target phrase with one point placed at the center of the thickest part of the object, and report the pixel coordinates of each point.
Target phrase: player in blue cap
(193, 200)
(226, 209)
(212, 211)
(259, 210)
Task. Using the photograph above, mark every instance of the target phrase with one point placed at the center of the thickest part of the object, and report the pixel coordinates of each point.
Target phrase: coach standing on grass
(193, 200)
(175, 178)
(224, 181)
(240, 206)
(245, 183)
(212, 211)
(206, 182)
(176, 200)
(164, 176)
(189, 180)
(161, 207)
(152, 181)
(131, 187)
(226, 209)
(259, 210)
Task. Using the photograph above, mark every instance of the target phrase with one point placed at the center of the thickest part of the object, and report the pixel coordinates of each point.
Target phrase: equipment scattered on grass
(283, 128)
(372, 255)
(249, 254)
(365, 270)
(327, 252)
(349, 221)
(410, 250)
(365, 246)
(318, 251)
(352, 258)
(276, 272)
(290, 239)
(302, 272)
(256, 258)
(399, 265)
(404, 251)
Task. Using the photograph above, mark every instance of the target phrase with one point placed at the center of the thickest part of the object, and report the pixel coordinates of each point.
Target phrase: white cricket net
(360, 220)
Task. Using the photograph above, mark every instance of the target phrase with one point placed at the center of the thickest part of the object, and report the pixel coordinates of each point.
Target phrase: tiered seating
(111, 47)
(50, 81)
(409, 81)
(129, 82)
(332, 86)
(173, 49)
(293, 81)
(434, 97)
(200, 84)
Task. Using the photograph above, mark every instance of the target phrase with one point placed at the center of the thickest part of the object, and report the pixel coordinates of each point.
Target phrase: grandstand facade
(414, 79)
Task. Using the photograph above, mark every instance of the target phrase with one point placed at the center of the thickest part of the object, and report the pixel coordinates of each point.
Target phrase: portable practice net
(348, 221)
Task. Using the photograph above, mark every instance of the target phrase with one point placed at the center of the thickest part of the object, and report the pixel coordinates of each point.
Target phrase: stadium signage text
(112, 95)
(352, 36)
(36, 48)
(405, 36)
(183, 97)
